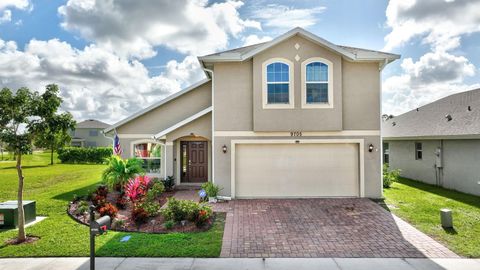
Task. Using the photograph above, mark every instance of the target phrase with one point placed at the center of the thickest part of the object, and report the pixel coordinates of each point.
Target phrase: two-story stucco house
(297, 116)
(88, 133)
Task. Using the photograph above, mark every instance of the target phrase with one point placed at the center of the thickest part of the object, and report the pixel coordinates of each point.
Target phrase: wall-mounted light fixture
(224, 149)
(370, 147)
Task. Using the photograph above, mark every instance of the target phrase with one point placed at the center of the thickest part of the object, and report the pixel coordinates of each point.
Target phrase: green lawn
(420, 205)
(54, 186)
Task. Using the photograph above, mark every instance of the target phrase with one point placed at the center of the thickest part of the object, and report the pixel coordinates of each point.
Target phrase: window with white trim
(316, 83)
(418, 151)
(151, 154)
(278, 83)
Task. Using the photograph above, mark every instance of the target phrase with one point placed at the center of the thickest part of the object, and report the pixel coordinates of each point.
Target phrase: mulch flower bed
(28, 240)
(153, 224)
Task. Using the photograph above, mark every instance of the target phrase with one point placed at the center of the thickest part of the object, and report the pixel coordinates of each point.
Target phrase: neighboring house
(89, 134)
(297, 116)
(438, 143)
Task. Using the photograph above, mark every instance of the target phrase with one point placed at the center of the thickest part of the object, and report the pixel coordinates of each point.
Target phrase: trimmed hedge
(84, 155)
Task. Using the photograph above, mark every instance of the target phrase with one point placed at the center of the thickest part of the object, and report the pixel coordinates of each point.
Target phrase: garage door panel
(296, 170)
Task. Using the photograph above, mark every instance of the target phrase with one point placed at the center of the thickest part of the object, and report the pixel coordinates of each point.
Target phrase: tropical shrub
(108, 210)
(139, 215)
(137, 188)
(121, 202)
(99, 201)
(151, 207)
(178, 210)
(211, 189)
(82, 208)
(169, 224)
(84, 155)
(202, 215)
(102, 190)
(120, 170)
(389, 176)
(169, 183)
(155, 190)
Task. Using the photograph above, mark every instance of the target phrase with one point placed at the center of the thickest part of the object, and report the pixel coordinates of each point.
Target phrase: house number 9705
(296, 134)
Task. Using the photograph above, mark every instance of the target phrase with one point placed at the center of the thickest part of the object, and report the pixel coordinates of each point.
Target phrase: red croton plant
(137, 188)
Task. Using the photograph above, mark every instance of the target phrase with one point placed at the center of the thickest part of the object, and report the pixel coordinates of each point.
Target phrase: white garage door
(297, 170)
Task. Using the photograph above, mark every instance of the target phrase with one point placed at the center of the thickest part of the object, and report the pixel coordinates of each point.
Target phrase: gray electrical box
(438, 158)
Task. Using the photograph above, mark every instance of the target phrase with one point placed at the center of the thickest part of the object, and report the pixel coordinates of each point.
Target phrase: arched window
(150, 153)
(278, 78)
(317, 85)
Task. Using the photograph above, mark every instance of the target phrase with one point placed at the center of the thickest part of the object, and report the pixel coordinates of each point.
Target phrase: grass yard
(420, 205)
(54, 186)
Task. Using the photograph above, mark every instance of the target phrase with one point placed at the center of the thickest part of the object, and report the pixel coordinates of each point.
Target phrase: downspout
(213, 122)
(111, 138)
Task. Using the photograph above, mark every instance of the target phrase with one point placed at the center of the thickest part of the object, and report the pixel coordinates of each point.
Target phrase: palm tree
(119, 171)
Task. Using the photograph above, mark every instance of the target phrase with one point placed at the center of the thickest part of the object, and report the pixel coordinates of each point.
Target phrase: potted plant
(212, 191)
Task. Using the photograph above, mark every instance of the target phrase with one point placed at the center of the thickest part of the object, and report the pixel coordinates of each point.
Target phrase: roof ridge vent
(417, 109)
(449, 117)
(394, 123)
(469, 108)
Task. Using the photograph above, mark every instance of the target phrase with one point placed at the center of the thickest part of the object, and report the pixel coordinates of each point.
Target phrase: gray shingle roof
(431, 120)
(92, 123)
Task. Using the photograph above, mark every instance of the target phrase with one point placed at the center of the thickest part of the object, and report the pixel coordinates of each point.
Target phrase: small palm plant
(119, 171)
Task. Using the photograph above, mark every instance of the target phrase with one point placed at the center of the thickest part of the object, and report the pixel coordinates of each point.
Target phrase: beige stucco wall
(171, 112)
(99, 140)
(361, 96)
(297, 118)
(461, 163)
(372, 163)
(233, 96)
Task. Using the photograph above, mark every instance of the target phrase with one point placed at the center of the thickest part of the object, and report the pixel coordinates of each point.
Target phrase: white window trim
(291, 88)
(162, 158)
(327, 105)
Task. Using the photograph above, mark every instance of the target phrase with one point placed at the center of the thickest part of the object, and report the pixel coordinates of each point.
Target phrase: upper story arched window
(317, 83)
(278, 83)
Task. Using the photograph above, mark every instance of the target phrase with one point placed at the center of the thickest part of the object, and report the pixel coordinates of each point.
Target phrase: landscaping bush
(84, 155)
(151, 207)
(178, 210)
(389, 176)
(169, 183)
(82, 208)
(211, 189)
(169, 224)
(108, 210)
(155, 190)
(121, 202)
(139, 215)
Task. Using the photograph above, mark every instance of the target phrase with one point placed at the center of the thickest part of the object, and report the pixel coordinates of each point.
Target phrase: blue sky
(112, 58)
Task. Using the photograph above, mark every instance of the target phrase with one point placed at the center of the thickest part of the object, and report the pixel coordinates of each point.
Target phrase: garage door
(297, 170)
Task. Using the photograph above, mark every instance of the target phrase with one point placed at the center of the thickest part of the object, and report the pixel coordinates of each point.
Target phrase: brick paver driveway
(321, 228)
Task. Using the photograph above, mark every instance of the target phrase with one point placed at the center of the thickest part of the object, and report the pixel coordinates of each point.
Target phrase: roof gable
(349, 53)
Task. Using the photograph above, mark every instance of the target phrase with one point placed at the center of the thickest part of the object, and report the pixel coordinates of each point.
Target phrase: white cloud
(439, 23)
(254, 39)
(19, 4)
(6, 17)
(438, 73)
(95, 83)
(284, 17)
(134, 28)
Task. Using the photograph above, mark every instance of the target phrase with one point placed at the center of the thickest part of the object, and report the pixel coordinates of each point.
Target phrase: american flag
(117, 149)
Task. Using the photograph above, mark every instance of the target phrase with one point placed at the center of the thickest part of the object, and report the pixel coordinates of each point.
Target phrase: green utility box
(9, 213)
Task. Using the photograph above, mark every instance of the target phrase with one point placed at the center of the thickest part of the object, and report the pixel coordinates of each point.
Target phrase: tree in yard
(52, 132)
(22, 117)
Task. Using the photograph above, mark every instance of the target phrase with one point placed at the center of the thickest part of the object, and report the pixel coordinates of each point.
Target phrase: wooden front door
(194, 161)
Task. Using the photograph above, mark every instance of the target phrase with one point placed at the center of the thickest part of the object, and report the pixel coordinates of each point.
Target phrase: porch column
(169, 158)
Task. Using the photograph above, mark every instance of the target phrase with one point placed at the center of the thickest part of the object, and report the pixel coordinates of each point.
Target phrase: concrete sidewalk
(237, 264)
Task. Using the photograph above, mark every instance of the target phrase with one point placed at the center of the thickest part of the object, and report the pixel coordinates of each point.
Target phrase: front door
(194, 161)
